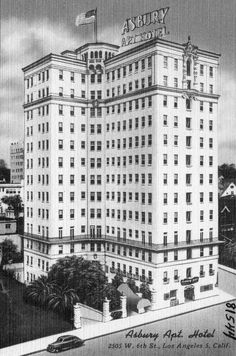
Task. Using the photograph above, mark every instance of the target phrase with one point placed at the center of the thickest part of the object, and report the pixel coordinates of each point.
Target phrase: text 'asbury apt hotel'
(121, 164)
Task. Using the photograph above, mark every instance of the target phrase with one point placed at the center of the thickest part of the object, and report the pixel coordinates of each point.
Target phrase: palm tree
(39, 291)
(62, 300)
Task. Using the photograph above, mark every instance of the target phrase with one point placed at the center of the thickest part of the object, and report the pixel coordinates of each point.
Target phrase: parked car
(65, 342)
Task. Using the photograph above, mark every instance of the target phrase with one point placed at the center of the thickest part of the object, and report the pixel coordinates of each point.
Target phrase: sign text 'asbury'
(154, 17)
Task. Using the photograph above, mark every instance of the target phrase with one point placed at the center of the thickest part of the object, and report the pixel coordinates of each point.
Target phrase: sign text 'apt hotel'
(133, 23)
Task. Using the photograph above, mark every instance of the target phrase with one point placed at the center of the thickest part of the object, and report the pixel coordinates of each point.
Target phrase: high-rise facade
(17, 162)
(121, 164)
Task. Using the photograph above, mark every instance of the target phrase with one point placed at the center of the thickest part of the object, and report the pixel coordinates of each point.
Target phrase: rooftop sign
(133, 23)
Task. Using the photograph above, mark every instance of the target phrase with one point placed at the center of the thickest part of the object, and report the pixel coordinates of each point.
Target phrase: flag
(86, 17)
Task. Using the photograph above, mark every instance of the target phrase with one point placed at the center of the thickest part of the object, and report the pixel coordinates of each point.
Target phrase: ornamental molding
(190, 51)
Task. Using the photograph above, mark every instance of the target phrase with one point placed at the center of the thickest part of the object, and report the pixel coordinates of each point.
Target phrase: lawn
(20, 322)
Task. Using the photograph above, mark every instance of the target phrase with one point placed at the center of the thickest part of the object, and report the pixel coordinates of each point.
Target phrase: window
(188, 160)
(61, 74)
(201, 215)
(201, 105)
(188, 67)
(164, 100)
(164, 178)
(165, 157)
(211, 72)
(175, 121)
(175, 178)
(201, 197)
(60, 109)
(188, 104)
(175, 102)
(60, 214)
(165, 198)
(201, 69)
(201, 178)
(188, 122)
(175, 64)
(188, 179)
(165, 122)
(175, 160)
(165, 218)
(210, 214)
(165, 62)
(165, 80)
(165, 139)
(188, 141)
(188, 216)
(175, 140)
(201, 142)
(188, 272)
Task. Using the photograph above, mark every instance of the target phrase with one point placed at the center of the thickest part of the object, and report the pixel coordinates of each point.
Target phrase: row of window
(131, 124)
(125, 88)
(188, 141)
(188, 160)
(189, 216)
(176, 275)
(41, 77)
(128, 196)
(116, 74)
(61, 76)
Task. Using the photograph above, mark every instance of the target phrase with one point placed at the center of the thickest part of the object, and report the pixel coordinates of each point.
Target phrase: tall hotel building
(121, 164)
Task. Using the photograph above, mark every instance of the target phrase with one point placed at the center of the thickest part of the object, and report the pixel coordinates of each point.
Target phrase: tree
(4, 171)
(228, 171)
(14, 202)
(118, 279)
(38, 291)
(87, 278)
(145, 290)
(132, 285)
(62, 300)
(9, 251)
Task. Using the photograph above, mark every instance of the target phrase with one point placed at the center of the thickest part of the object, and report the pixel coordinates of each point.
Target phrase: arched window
(91, 54)
(106, 55)
(96, 54)
(100, 54)
(109, 54)
(188, 66)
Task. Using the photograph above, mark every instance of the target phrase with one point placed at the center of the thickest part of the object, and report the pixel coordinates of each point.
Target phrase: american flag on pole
(86, 17)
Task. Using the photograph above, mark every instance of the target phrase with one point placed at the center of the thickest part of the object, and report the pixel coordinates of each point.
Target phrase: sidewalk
(100, 329)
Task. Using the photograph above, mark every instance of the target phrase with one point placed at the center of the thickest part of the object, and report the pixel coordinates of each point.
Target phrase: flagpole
(95, 27)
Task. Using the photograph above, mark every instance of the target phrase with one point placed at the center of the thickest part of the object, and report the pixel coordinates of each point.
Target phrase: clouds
(227, 119)
(23, 42)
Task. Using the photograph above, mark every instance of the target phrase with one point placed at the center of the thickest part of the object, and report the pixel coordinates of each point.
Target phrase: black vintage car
(65, 342)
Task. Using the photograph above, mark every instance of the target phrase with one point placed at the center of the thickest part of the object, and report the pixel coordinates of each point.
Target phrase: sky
(30, 29)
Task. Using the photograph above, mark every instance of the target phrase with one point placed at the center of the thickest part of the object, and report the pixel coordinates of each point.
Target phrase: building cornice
(54, 57)
(152, 43)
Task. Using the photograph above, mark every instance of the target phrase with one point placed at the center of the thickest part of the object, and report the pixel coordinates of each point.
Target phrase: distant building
(8, 228)
(227, 217)
(8, 189)
(17, 162)
(229, 189)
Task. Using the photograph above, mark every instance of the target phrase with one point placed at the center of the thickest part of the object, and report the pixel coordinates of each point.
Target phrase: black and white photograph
(118, 177)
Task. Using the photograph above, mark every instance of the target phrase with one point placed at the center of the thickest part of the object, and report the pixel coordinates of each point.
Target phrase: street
(196, 333)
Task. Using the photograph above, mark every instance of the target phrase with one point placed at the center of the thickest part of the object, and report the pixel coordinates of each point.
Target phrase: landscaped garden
(20, 322)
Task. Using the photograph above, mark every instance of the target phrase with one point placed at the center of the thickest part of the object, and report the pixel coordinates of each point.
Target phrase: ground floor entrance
(189, 293)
